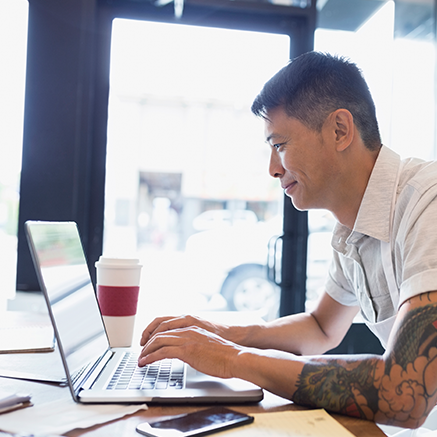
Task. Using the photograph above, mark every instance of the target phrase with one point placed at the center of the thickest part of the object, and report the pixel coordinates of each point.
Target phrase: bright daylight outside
(187, 187)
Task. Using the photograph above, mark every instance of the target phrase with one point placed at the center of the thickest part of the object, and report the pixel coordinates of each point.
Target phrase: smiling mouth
(289, 186)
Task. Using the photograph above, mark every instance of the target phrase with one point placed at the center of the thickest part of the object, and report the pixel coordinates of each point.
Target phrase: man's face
(302, 159)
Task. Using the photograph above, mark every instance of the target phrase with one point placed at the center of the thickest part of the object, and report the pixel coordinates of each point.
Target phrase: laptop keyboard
(160, 375)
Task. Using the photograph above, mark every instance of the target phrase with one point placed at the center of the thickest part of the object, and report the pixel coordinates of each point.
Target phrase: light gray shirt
(356, 275)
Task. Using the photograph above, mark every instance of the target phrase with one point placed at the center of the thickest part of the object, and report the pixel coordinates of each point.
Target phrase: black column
(62, 178)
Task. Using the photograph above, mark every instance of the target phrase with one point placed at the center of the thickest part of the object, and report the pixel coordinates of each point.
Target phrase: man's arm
(308, 333)
(399, 388)
(302, 334)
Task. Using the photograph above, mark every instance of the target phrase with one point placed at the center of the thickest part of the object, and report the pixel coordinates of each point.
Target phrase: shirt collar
(373, 217)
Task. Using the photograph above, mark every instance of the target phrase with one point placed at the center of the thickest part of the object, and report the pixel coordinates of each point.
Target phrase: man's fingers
(170, 344)
(152, 328)
(163, 339)
(198, 347)
(177, 338)
(159, 354)
(163, 324)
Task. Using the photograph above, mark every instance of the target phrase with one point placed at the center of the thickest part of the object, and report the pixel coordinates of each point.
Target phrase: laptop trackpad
(199, 380)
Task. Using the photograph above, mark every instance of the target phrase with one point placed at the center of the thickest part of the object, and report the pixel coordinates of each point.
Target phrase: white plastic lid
(118, 262)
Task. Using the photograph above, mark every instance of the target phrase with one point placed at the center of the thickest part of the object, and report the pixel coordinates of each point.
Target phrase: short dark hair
(314, 85)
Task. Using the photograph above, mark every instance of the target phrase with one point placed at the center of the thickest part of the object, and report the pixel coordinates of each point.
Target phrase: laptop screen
(64, 277)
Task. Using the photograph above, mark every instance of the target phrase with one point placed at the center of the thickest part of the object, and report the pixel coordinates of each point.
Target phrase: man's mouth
(289, 186)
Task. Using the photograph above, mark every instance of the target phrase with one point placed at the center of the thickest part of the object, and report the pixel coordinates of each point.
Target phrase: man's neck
(355, 185)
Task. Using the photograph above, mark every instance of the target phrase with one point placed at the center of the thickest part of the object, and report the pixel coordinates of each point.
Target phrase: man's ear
(342, 128)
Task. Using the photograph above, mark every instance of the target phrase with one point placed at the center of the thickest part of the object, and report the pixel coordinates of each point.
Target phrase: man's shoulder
(418, 174)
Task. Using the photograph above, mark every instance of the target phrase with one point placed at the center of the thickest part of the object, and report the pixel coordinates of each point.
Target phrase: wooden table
(45, 392)
(126, 426)
(49, 364)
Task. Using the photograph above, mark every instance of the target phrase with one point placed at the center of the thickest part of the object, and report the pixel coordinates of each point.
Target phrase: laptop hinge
(95, 370)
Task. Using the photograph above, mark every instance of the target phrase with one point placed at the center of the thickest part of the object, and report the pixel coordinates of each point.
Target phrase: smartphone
(199, 423)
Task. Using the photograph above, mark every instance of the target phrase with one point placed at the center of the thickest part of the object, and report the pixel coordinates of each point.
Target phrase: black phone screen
(196, 424)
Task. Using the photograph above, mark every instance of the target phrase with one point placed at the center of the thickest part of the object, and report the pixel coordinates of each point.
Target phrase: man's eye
(277, 146)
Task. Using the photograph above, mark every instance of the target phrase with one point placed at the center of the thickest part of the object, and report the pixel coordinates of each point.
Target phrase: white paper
(61, 416)
(25, 332)
(306, 423)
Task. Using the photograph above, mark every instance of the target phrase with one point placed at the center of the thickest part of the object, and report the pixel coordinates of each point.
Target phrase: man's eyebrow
(272, 136)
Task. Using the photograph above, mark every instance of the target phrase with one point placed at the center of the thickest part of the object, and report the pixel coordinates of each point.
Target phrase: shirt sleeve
(337, 286)
(415, 250)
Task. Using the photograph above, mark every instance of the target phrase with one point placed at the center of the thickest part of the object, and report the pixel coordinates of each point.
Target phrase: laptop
(94, 371)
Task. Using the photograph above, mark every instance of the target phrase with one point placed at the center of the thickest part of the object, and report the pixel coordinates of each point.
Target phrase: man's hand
(209, 353)
(163, 324)
(200, 348)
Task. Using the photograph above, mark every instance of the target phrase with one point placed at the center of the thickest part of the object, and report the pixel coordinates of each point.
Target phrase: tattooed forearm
(407, 390)
(335, 388)
(400, 389)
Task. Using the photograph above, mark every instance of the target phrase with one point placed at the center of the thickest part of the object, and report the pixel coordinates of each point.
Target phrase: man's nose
(275, 168)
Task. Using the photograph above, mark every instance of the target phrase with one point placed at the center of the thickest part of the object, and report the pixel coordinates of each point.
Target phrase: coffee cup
(118, 286)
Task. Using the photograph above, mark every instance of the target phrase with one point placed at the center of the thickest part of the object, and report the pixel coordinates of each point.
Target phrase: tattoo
(336, 388)
(400, 390)
(416, 336)
(408, 388)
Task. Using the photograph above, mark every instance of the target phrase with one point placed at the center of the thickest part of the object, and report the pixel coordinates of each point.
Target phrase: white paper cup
(118, 285)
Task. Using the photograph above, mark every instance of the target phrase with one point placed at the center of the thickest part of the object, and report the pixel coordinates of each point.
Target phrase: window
(13, 38)
(394, 45)
(187, 184)
(64, 144)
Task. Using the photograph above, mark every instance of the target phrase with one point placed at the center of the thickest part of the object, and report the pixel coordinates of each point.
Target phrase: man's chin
(296, 204)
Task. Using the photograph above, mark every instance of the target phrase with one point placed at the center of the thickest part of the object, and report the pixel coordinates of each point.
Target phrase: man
(326, 151)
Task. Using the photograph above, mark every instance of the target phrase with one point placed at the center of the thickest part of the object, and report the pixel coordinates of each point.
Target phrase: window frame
(66, 111)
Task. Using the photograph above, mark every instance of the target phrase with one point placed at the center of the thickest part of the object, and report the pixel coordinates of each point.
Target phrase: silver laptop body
(90, 364)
